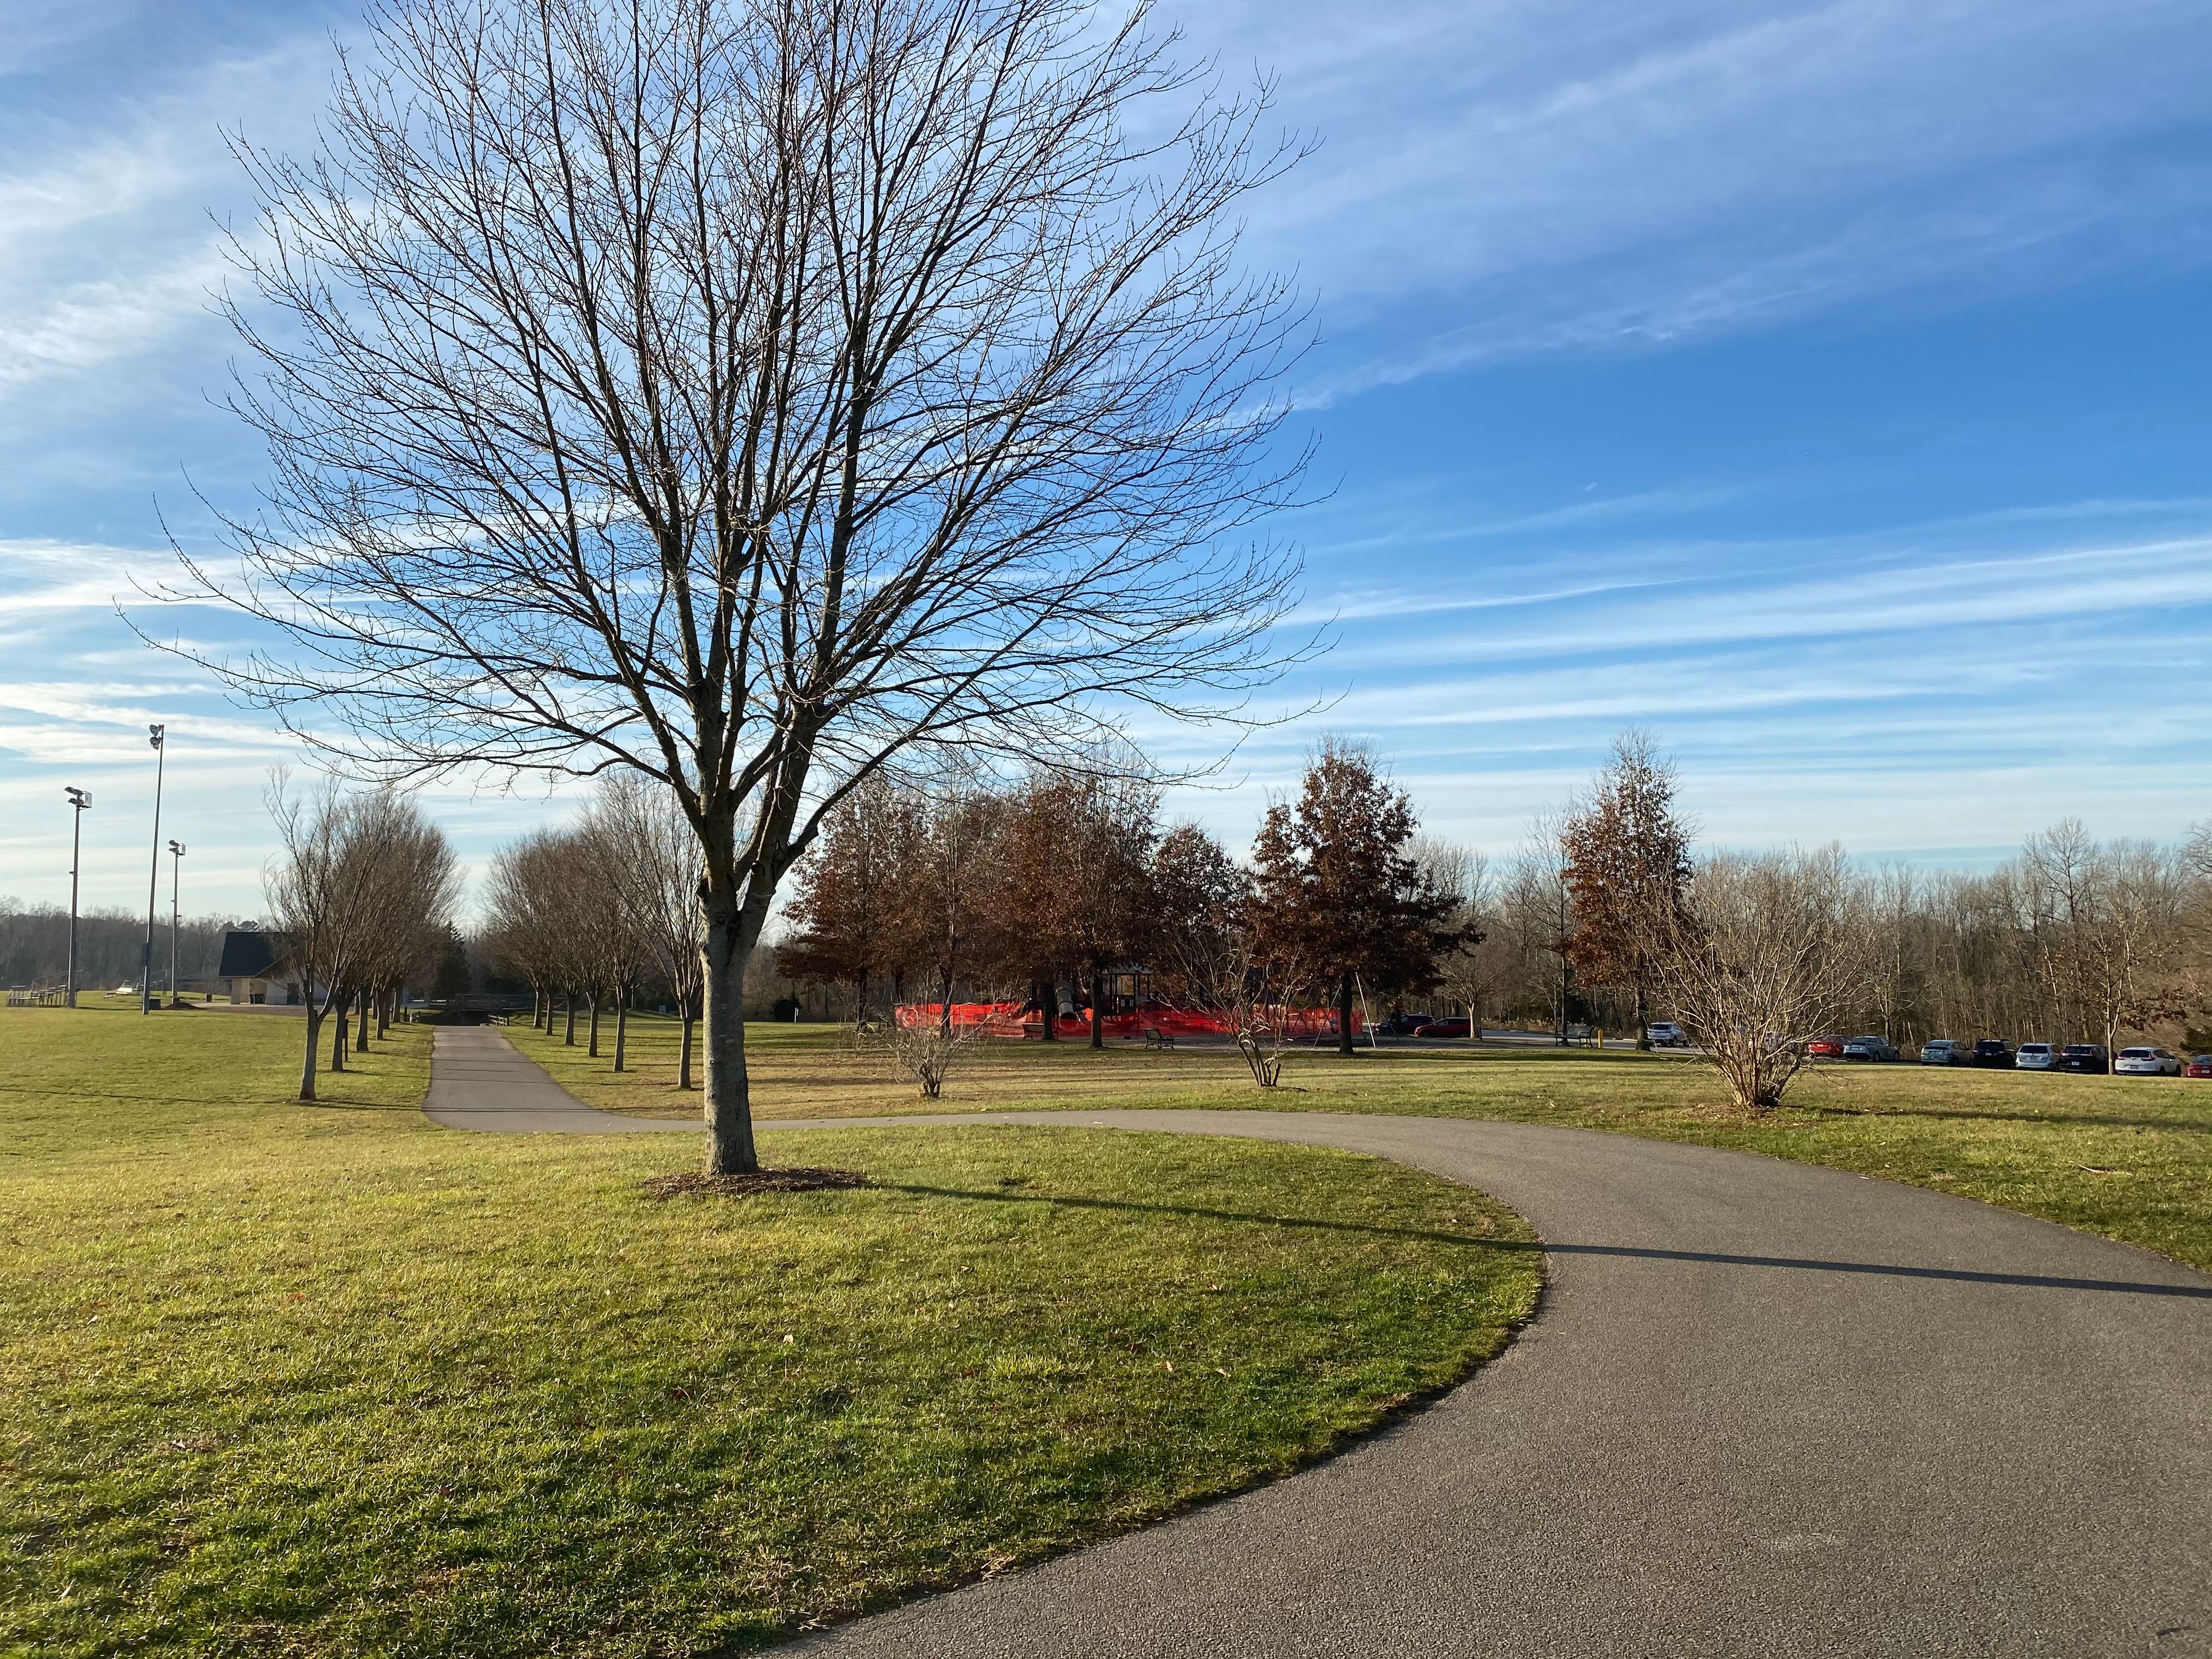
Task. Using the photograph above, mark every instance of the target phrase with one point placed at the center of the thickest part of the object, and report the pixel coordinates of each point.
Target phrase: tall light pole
(79, 799)
(153, 878)
(176, 872)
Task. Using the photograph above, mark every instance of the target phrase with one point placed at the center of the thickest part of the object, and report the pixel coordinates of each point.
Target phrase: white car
(2035, 1057)
(126, 991)
(1942, 1051)
(1665, 1033)
(2147, 1062)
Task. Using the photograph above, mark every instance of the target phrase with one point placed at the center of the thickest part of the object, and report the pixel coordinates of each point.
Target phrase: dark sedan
(1403, 1024)
(1994, 1051)
(1443, 1028)
(2085, 1057)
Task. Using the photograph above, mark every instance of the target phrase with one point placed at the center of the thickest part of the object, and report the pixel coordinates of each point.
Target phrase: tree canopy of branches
(1625, 861)
(741, 393)
(1336, 888)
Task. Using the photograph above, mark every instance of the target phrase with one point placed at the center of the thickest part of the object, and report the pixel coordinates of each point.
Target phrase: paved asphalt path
(479, 1080)
(1766, 1409)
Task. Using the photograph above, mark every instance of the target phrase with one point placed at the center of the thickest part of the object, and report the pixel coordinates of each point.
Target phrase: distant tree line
(34, 945)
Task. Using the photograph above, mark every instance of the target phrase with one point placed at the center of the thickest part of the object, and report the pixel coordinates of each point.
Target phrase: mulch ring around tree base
(760, 1181)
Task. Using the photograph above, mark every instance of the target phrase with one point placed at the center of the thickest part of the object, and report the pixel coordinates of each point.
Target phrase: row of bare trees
(597, 912)
(360, 899)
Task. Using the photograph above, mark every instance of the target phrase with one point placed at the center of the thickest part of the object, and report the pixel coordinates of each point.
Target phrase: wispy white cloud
(1503, 177)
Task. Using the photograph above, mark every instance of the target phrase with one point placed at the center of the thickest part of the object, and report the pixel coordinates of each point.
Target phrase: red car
(1442, 1028)
(2200, 1066)
(1830, 1046)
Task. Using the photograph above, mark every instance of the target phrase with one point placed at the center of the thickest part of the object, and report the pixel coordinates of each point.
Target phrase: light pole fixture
(176, 869)
(152, 876)
(79, 800)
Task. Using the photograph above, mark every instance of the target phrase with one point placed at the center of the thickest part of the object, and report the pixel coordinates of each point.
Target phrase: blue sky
(1823, 388)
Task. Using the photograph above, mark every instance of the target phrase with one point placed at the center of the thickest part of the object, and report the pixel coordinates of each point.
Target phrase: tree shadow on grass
(1893, 1270)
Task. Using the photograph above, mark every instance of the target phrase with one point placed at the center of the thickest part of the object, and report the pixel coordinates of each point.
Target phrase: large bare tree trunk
(622, 1029)
(1098, 1005)
(730, 938)
(1344, 1015)
(568, 1006)
(684, 1053)
(341, 1003)
(314, 1037)
(592, 1044)
(361, 1037)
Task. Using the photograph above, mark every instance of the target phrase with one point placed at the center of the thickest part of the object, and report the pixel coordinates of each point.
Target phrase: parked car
(2200, 1066)
(1993, 1051)
(1403, 1024)
(2036, 1057)
(1443, 1028)
(1665, 1033)
(2085, 1057)
(1942, 1051)
(1830, 1046)
(2148, 1063)
(1870, 1046)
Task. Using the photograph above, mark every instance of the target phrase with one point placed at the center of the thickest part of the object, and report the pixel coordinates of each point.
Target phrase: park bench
(1156, 1038)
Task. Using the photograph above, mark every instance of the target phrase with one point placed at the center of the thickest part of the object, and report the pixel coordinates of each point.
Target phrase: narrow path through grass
(330, 1380)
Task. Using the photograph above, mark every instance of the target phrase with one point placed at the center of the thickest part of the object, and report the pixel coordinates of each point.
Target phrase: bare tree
(657, 874)
(742, 392)
(312, 902)
(1763, 956)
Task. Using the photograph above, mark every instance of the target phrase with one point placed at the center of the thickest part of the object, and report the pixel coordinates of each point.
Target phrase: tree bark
(1052, 1005)
(314, 1037)
(361, 1037)
(1097, 1006)
(684, 1053)
(541, 1009)
(592, 1043)
(1344, 1015)
(622, 1029)
(568, 1005)
(342, 1005)
(730, 1149)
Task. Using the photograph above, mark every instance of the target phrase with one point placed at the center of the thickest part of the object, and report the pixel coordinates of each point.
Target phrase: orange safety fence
(1016, 1019)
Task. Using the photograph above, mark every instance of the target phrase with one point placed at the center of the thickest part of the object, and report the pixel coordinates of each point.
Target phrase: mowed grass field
(328, 1380)
(2129, 1157)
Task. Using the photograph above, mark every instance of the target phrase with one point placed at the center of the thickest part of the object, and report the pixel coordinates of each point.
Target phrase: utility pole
(176, 869)
(153, 878)
(79, 799)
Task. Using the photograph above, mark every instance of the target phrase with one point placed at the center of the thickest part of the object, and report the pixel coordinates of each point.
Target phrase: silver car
(1942, 1051)
(1870, 1047)
(2035, 1057)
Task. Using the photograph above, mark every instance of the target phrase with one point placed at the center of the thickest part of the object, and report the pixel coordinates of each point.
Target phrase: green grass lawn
(2129, 1157)
(330, 1380)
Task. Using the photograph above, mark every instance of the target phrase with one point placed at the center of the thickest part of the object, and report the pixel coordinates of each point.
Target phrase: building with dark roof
(253, 966)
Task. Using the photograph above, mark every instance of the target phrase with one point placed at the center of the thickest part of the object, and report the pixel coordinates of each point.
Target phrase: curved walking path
(1766, 1409)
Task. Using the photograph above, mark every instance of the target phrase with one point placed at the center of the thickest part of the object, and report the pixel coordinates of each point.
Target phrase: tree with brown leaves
(1335, 885)
(1626, 860)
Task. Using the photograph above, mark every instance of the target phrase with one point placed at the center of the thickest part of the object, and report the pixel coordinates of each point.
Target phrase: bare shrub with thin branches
(743, 393)
(1763, 955)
